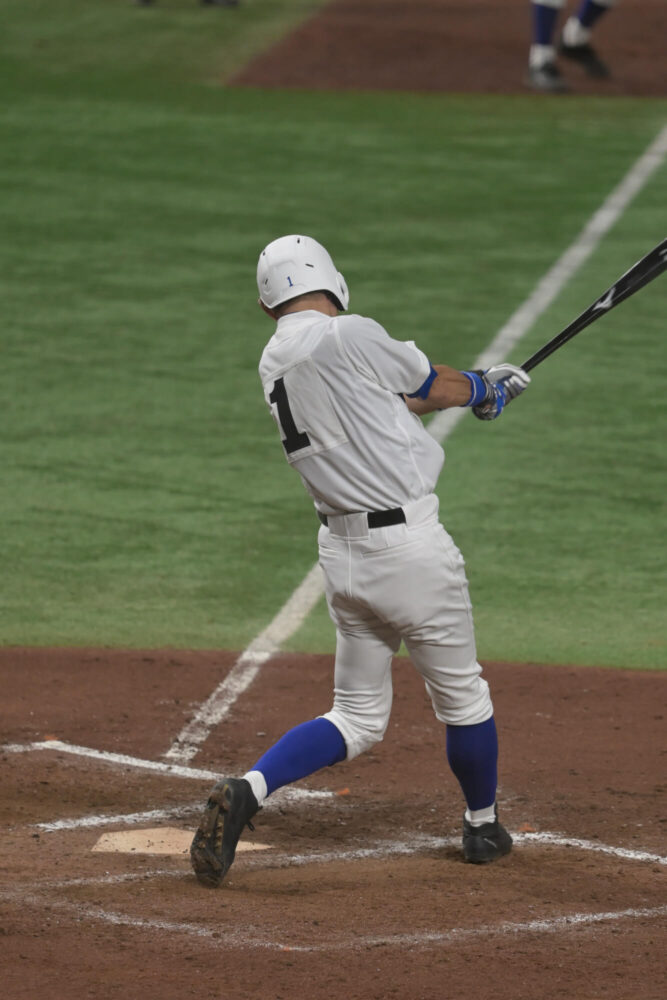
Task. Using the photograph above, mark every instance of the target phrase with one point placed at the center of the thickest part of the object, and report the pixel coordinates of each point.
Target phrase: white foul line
(246, 668)
(304, 598)
(567, 265)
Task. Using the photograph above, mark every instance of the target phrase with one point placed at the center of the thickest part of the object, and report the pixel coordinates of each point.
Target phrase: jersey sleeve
(396, 365)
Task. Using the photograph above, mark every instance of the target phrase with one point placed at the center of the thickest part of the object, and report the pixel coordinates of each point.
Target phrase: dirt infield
(362, 890)
(439, 45)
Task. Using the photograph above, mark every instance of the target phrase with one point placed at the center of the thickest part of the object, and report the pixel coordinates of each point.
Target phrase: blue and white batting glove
(493, 388)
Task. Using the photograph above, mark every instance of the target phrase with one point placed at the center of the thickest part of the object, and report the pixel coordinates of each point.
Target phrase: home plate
(162, 840)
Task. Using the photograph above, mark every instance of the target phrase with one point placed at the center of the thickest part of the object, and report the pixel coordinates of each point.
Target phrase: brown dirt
(441, 45)
(581, 755)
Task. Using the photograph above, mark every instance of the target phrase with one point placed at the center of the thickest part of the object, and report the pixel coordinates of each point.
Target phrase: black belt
(376, 518)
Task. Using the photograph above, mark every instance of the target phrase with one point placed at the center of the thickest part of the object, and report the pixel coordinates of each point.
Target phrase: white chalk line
(108, 757)
(288, 794)
(567, 265)
(284, 795)
(246, 668)
(242, 938)
(120, 819)
(380, 850)
(245, 938)
(25, 895)
(421, 843)
(169, 770)
(506, 928)
(294, 795)
(559, 840)
(305, 597)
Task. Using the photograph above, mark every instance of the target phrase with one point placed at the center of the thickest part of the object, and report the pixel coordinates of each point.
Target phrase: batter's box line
(26, 896)
(377, 851)
(108, 757)
(423, 842)
(119, 819)
(562, 840)
(157, 767)
(181, 771)
(282, 796)
(243, 938)
(415, 845)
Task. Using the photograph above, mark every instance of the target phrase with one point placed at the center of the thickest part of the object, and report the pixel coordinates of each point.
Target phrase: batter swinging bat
(645, 270)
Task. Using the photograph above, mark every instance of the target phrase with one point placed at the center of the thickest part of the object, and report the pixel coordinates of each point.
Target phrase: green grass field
(145, 499)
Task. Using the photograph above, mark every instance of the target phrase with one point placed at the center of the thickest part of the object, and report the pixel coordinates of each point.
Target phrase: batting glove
(513, 378)
(493, 388)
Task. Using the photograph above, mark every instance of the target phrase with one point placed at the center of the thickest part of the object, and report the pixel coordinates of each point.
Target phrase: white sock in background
(574, 32)
(540, 55)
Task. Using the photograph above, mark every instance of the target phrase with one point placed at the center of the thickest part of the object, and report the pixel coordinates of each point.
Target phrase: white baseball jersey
(333, 386)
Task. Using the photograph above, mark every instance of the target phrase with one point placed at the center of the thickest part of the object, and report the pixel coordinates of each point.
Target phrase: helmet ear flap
(344, 293)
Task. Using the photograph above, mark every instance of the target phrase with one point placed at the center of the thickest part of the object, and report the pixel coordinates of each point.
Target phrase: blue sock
(589, 12)
(544, 23)
(472, 752)
(300, 752)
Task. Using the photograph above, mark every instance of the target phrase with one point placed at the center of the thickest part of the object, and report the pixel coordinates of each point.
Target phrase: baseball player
(345, 398)
(543, 72)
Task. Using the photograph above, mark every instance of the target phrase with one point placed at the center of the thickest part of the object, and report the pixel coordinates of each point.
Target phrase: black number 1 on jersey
(293, 439)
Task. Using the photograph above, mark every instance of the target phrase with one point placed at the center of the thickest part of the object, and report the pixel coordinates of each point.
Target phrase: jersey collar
(292, 323)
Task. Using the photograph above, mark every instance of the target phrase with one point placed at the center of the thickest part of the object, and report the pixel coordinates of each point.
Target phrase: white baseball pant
(406, 581)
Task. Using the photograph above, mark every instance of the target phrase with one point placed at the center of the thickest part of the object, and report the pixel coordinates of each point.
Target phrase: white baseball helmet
(294, 265)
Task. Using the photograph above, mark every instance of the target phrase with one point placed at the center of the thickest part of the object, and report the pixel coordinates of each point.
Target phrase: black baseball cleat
(482, 844)
(587, 58)
(230, 807)
(547, 79)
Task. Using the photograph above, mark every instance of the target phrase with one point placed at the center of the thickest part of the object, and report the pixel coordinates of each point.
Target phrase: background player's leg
(576, 37)
(543, 73)
(591, 11)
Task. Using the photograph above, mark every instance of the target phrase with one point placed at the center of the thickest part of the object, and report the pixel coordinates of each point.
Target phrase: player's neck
(318, 303)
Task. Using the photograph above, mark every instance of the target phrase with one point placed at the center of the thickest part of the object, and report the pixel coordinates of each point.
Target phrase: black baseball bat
(645, 270)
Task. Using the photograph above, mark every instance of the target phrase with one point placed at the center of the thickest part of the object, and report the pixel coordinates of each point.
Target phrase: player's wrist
(479, 388)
